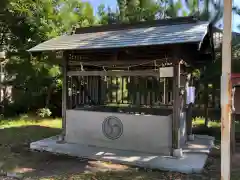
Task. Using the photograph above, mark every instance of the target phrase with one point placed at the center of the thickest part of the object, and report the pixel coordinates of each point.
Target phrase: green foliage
(44, 113)
(204, 14)
(25, 23)
(36, 81)
(129, 11)
(173, 8)
(193, 6)
(107, 16)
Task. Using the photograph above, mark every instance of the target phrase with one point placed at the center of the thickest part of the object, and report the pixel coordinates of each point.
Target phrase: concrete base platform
(195, 154)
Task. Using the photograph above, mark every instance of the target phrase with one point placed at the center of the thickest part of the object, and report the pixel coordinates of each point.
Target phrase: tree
(129, 11)
(122, 5)
(215, 15)
(107, 16)
(173, 8)
(193, 7)
(27, 23)
(138, 10)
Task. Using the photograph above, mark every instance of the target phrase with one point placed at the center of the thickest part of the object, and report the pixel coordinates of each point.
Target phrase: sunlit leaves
(54, 71)
(107, 16)
(130, 11)
(25, 23)
(173, 8)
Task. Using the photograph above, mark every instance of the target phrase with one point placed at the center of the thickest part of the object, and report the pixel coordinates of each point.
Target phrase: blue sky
(113, 3)
(96, 3)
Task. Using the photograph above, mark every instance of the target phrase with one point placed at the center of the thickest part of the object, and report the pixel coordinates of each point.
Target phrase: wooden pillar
(70, 92)
(226, 92)
(233, 140)
(189, 119)
(164, 90)
(189, 108)
(176, 107)
(64, 95)
(214, 95)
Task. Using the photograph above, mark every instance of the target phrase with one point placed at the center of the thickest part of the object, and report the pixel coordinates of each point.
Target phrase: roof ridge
(142, 24)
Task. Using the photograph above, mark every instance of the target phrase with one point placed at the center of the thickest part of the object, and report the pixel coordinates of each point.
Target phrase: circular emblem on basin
(112, 127)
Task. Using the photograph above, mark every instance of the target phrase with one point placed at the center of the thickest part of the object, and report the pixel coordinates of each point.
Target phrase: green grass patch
(53, 123)
(199, 121)
(15, 136)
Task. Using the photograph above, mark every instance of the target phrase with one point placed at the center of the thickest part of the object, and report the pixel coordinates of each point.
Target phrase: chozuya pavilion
(126, 93)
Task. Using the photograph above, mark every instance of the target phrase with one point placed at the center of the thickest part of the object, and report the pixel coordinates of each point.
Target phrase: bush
(44, 112)
(24, 116)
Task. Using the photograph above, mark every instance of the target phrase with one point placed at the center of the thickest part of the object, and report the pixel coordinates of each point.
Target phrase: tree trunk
(49, 95)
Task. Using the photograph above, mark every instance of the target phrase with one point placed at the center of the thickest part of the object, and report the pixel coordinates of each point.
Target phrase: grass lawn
(213, 124)
(16, 134)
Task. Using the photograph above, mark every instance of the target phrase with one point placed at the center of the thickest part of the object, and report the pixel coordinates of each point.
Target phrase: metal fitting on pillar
(191, 137)
(60, 139)
(178, 153)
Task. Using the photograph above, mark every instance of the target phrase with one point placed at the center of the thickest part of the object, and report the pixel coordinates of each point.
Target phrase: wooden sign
(166, 72)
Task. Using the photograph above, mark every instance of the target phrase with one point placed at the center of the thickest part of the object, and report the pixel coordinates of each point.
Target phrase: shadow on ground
(16, 157)
(210, 131)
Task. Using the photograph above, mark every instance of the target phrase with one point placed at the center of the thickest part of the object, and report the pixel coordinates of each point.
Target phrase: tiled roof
(156, 35)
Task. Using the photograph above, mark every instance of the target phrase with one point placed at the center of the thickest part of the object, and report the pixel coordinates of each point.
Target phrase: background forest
(36, 81)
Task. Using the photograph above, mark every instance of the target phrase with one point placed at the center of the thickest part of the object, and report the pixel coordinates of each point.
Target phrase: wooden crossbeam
(162, 72)
(124, 63)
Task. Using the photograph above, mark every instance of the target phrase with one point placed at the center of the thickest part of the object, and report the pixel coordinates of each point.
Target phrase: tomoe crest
(112, 127)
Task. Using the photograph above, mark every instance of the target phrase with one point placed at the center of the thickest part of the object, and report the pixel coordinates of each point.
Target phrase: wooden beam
(189, 107)
(176, 107)
(206, 89)
(163, 72)
(164, 90)
(233, 138)
(226, 92)
(70, 96)
(163, 110)
(125, 63)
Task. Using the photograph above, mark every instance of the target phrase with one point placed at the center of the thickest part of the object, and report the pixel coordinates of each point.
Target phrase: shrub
(24, 116)
(44, 112)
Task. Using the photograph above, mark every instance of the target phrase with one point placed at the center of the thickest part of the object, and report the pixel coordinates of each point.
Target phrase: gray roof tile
(159, 35)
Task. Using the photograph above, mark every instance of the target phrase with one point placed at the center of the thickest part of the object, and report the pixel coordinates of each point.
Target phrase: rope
(127, 67)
